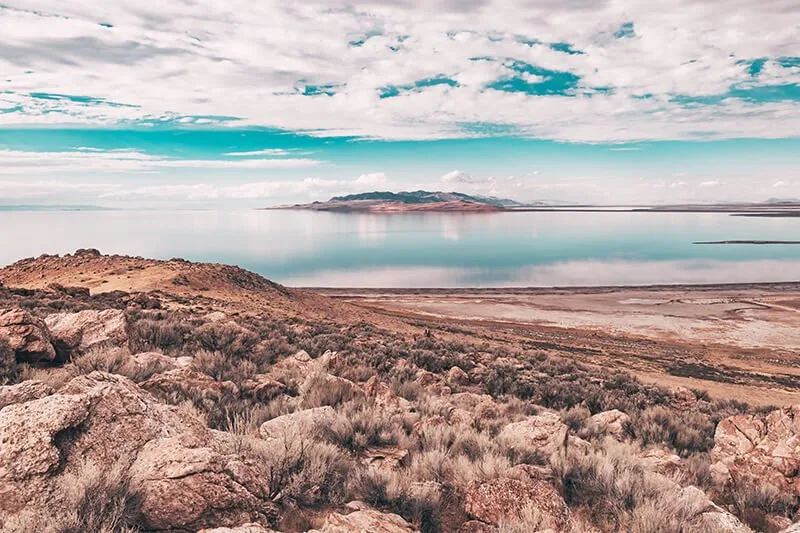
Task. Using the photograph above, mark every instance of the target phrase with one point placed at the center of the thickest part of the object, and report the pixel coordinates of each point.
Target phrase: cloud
(267, 151)
(712, 183)
(16, 162)
(456, 177)
(682, 71)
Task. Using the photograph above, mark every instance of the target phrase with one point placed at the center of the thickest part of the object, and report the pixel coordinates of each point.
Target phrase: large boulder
(496, 500)
(614, 423)
(369, 520)
(760, 449)
(297, 423)
(188, 383)
(544, 434)
(250, 527)
(23, 392)
(78, 332)
(170, 458)
(185, 483)
(707, 516)
(27, 336)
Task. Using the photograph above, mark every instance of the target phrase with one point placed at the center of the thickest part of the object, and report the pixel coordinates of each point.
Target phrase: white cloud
(207, 62)
(456, 177)
(711, 183)
(267, 151)
(14, 162)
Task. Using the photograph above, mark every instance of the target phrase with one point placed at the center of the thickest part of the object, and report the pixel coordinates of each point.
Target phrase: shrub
(360, 424)
(8, 366)
(685, 431)
(165, 333)
(301, 470)
(223, 367)
(230, 339)
(96, 498)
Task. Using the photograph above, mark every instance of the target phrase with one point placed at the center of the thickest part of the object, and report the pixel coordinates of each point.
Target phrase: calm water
(430, 250)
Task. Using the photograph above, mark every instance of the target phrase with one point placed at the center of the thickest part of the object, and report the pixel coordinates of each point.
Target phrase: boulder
(476, 526)
(370, 521)
(153, 362)
(297, 423)
(23, 392)
(244, 528)
(185, 382)
(28, 336)
(78, 332)
(794, 528)
(185, 483)
(263, 388)
(545, 434)
(760, 449)
(99, 418)
(614, 423)
(662, 461)
(499, 499)
(456, 376)
(185, 476)
(708, 515)
(683, 397)
(384, 458)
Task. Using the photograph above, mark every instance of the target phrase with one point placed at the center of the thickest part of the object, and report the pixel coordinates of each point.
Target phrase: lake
(303, 248)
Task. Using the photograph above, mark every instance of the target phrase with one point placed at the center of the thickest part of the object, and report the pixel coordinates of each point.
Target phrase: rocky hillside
(154, 406)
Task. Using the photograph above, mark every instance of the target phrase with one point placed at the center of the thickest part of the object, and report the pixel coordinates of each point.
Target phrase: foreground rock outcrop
(185, 476)
(27, 336)
(759, 449)
(79, 332)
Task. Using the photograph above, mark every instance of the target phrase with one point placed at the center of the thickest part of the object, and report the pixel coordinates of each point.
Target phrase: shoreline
(556, 289)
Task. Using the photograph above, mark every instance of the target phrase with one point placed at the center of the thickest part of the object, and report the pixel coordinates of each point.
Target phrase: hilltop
(410, 201)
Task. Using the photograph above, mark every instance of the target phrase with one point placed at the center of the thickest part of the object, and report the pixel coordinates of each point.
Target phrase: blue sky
(242, 104)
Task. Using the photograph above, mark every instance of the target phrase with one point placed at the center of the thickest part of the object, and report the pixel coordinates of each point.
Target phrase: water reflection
(427, 250)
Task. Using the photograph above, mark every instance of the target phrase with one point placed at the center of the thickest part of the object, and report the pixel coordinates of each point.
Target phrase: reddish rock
(297, 423)
(544, 433)
(475, 526)
(23, 392)
(369, 521)
(78, 332)
(189, 383)
(263, 388)
(504, 498)
(456, 376)
(614, 423)
(184, 483)
(27, 336)
(764, 449)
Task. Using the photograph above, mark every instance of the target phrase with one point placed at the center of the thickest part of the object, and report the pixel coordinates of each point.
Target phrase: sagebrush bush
(685, 431)
(360, 424)
(8, 366)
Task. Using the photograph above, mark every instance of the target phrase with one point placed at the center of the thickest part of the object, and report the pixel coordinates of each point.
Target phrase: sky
(240, 103)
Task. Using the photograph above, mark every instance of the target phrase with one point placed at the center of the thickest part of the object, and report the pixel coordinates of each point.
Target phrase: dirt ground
(736, 341)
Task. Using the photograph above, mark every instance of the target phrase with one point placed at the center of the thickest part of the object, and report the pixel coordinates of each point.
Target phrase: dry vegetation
(439, 451)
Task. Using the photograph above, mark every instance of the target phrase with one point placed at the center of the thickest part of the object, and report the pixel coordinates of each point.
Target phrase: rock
(189, 383)
(184, 361)
(184, 475)
(708, 515)
(78, 332)
(153, 362)
(23, 392)
(98, 418)
(456, 376)
(504, 498)
(27, 335)
(475, 526)
(319, 388)
(683, 397)
(777, 523)
(761, 449)
(614, 423)
(297, 423)
(384, 458)
(184, 483)
(544, 433)
(244, 528)
(662, 461)
(385, 398)
(262, 387)
(368, 521)
(794, 528)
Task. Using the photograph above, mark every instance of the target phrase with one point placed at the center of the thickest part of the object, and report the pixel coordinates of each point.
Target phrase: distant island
(410, 202)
